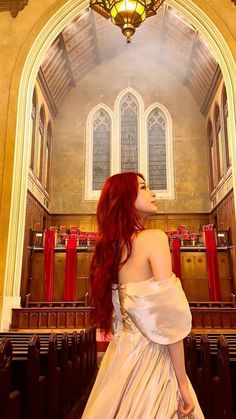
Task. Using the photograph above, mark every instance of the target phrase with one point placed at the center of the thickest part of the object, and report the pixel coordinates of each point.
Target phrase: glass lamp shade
(128, 15)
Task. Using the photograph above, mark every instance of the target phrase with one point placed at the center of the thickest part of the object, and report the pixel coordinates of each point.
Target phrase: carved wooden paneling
(36, 287)
(195, 277)
(223, 217)
(224, 213)
(13, 6)
(51, 318)
(213, 317)
(37, 218)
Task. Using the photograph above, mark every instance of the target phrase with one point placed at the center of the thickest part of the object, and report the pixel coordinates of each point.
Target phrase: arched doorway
(25, 75)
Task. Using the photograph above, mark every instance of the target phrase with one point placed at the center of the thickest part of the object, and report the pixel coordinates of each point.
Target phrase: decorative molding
(222, 190)
(13, 6)
(212, 91)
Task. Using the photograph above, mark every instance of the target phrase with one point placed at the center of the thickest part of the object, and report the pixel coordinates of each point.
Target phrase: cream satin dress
(136, 379)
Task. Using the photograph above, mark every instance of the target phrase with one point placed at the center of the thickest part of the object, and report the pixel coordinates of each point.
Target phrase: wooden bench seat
(9, 400)
(211, 366)
(51, 372)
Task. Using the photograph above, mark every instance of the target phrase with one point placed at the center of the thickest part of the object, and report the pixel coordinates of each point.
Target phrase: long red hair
(117, 222)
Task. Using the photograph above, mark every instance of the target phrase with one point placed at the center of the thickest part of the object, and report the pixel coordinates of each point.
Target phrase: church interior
(79, 104)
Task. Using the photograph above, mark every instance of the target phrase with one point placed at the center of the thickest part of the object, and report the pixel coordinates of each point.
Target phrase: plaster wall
(153, 83)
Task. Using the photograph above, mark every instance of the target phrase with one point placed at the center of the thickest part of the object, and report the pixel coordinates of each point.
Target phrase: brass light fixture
(127, 14)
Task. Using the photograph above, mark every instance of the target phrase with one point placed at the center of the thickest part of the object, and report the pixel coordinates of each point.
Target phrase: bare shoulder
(157, 250)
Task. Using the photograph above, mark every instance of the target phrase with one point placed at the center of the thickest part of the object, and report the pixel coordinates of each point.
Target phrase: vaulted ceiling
(90, 40)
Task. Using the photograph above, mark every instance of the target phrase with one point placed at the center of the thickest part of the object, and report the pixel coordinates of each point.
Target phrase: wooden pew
(204, 377)
(193, 360)
(83, 359)
(94, 349)
(222, 386)
(213, 315)
(76, 357)
(66, 375)
(35, 382)
(88, 349)
(211, 361)
(76, 366)
(9, 400)
(53, 380)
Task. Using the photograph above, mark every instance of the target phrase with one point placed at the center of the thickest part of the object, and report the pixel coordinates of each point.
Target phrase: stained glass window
(101, 148)
(129, 133)
(156, 126)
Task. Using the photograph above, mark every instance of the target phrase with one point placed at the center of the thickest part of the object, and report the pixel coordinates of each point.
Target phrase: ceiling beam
(162, 32)
(66, 58)
(190, 61)
(94, 32)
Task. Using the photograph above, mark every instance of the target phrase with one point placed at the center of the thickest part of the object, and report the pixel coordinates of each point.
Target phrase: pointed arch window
(39, 172)
(224, 105)
(33, 135)
(101, 148)
(218, 139)
(48, 156)
(129, 138)
(129, 113)
(156, 128)
(211, 155)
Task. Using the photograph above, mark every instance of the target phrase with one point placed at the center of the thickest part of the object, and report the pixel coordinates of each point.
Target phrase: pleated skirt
(136, 380)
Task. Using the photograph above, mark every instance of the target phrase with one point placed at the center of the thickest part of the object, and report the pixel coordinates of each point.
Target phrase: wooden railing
(213, 315)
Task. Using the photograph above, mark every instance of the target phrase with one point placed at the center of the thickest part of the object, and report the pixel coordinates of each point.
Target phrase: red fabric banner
(176, 261)
(70, 270)
(49, 242)
(212, 264)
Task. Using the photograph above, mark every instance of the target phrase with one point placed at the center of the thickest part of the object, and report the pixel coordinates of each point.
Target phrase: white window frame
(115, 146)
(169, 192)
(90, 194)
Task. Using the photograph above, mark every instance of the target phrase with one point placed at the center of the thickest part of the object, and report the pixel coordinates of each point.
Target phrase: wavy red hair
(118, 221)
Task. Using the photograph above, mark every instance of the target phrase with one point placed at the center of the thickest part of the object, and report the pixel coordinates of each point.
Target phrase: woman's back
(150, 257)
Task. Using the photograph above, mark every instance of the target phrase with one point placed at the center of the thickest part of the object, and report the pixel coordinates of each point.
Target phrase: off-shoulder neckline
(151, 279)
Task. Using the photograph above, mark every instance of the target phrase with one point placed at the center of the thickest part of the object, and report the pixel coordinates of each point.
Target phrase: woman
(142, 375)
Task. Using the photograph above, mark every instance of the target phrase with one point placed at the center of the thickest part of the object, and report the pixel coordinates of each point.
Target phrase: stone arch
(21, 89)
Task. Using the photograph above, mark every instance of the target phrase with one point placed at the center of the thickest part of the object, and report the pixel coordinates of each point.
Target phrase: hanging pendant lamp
(127, 14)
